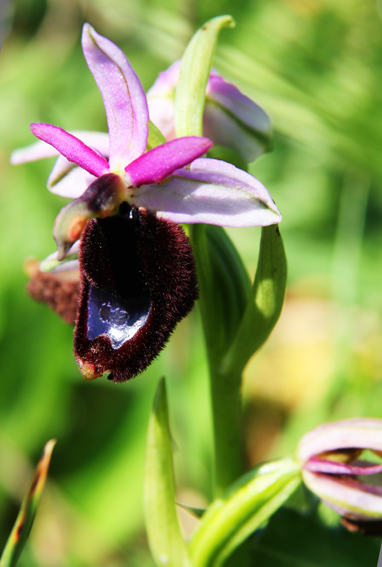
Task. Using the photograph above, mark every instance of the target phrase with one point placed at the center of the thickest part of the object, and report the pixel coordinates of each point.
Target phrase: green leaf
(224, 284)
(194, 73)
(28, 510)
(165, 538)
(292, 539)
(265, 301)
(246, 506)
(155, 137)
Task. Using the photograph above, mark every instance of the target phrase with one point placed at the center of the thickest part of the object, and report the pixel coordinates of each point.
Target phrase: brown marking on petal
(60, 291)
(76, 226)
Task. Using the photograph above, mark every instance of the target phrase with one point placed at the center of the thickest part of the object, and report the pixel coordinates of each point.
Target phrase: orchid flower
(334, 470)
(230, 118)
(136, 266)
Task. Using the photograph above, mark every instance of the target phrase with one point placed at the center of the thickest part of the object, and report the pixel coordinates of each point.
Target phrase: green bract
(194, 73)
(165, 538)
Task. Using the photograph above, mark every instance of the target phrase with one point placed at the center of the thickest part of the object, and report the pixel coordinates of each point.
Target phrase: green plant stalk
(225, 390)
(227, 429)
(224, 387)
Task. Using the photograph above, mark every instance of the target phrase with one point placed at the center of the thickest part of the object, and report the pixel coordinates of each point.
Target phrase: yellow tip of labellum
(88, 370)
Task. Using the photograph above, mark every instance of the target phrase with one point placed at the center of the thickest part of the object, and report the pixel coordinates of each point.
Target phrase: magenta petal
(210, 191)
(71, 147)
(123, 96)
(41, 150)
(160, 162)
(332, 467)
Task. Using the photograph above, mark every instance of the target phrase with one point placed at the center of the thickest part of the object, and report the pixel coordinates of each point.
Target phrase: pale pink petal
(162, 115)
(230, 118)
(73, 184)
(123, 96)
(239, 105)
(160, 99)
(95, 140)
(71, 147)
(33, 152)
(355, 433)
(41, 150)
(166, 81)
(225, 130)
(52, 264)
(351, 499)
(212, 192)
(160, 162)
(60, 169)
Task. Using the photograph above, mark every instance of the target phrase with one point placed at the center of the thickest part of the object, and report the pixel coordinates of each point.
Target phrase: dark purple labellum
(138, 280)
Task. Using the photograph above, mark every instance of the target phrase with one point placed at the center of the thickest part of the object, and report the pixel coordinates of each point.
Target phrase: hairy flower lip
(120, 283)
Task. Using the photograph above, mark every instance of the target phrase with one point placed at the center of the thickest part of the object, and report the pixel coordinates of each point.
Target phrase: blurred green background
(316, 67)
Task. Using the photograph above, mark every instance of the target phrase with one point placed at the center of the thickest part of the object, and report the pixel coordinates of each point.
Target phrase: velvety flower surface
(333, 468)
(137, 273)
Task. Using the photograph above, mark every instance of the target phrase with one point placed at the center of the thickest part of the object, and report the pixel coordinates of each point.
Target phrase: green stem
(227, 414)
(225, 390)
(224, 386)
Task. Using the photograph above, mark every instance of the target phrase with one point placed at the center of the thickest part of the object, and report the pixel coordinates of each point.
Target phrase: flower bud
(59, 288)
(230, 118)
(334, 470)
